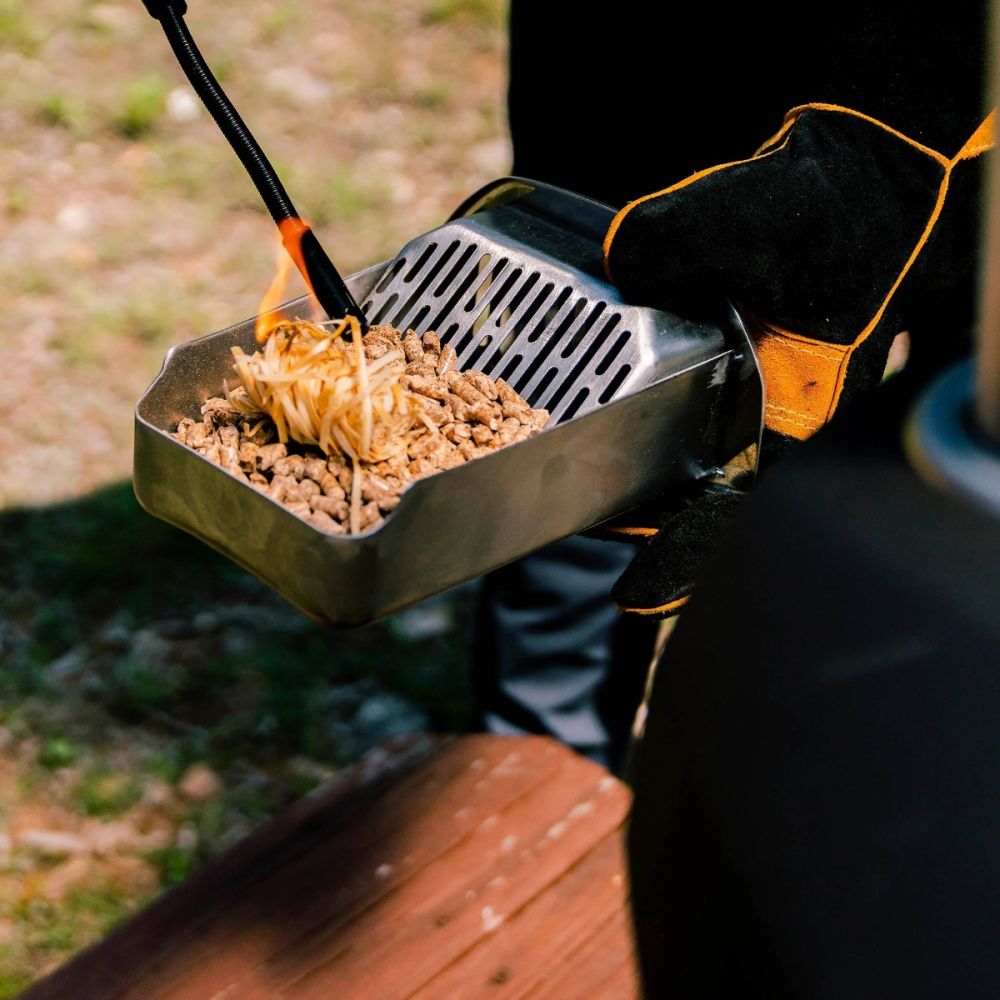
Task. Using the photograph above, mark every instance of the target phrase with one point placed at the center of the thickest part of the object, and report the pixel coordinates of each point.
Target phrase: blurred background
(156, 702)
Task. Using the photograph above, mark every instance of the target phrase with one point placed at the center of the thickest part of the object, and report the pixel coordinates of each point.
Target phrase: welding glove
(835, 236)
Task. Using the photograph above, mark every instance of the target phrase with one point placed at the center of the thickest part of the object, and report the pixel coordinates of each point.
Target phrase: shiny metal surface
(945, 444)
(519, 291)
(641, 401)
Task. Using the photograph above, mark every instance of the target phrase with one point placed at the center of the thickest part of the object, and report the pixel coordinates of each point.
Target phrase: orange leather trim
(802, 377)
(794, 114)
(632, 531)
(663, 609)
(981, 140)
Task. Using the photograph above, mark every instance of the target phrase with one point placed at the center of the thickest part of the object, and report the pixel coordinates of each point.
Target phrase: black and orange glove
(839, 233)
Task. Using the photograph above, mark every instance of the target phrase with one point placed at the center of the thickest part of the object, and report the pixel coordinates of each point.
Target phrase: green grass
(279, 20)
(164, 763)
(174, 864)
(263, 704)
(105, 793)
(343, 197)
(102, 554)
(32, 278)
(478, 11)
(143, 103)
(104, 904)
(18, 30)
(54, 630)
(17, 199)
(207, 171)
(434, 98)
(147, 317)
(61, 111)
(261, 691)
(57, 752)
(13, 981)
(53, 932)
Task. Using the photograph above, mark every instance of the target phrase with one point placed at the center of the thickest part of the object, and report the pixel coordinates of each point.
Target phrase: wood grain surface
(438, 868)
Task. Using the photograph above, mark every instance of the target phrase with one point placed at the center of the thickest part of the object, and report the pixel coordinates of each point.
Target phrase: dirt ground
(156, 702)
(128, 224)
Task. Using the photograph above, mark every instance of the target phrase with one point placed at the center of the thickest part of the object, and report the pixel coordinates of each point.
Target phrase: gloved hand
(830, 240)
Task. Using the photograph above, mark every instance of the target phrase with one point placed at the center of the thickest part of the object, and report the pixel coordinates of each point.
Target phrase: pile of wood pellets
(464, 415)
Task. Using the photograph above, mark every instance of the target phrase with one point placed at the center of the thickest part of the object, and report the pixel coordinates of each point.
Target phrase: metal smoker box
(641, 401)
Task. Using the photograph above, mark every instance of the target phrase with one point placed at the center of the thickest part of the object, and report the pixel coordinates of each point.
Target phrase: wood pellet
(468, 415)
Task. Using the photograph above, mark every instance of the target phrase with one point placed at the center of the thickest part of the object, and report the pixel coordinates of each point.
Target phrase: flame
(289, 252)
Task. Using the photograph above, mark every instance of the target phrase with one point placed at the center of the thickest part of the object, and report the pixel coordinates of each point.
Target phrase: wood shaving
(335, 426)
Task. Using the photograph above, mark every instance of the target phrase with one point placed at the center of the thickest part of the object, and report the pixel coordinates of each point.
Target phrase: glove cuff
(803, 377)
(659, 580)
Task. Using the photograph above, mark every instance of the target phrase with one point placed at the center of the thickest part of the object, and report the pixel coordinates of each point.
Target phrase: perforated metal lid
(519, 294)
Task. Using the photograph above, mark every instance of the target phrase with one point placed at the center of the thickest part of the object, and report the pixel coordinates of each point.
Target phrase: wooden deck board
(551, 929)
(601, 969)
(453, 868)
(395, 836)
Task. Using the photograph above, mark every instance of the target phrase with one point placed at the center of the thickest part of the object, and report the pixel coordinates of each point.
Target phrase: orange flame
(288, 253)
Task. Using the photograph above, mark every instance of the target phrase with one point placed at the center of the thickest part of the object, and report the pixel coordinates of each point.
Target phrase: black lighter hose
(299, 240)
